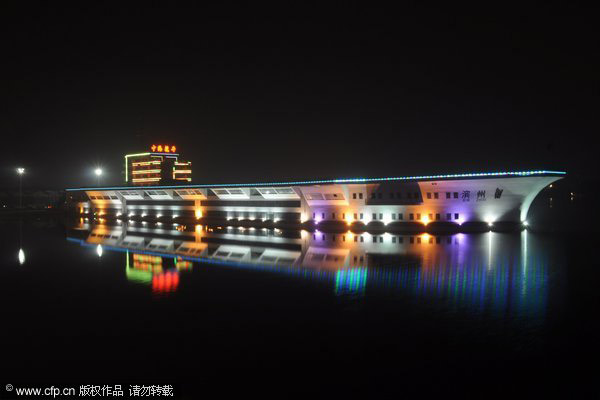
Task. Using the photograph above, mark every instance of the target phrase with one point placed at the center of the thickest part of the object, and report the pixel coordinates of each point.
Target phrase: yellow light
(146, 171)
(145, 179)
(425, 237)
(425, 220)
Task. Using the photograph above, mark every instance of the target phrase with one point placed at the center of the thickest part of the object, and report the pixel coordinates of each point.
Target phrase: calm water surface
(219, 306)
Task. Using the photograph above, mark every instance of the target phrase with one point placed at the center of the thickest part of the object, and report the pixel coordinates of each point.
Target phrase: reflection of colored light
(425, 237)
(166, 282)
(351, 280)
(184, 264)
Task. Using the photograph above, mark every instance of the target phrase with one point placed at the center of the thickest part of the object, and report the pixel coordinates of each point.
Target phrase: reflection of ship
(492, 270)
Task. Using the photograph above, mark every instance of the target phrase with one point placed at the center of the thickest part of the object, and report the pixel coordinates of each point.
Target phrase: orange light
(173, 149)
(425, 220)
(153, 147)
(198, 214)
(159, 148)
(166, 149)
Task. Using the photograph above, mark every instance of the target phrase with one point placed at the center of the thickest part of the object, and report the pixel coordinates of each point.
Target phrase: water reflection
(21, 256)
(491, 272)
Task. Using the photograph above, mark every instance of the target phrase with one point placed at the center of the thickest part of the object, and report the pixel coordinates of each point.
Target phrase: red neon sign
(163, 148)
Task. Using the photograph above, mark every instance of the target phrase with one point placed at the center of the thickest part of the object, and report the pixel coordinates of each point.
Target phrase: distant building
(160, 166)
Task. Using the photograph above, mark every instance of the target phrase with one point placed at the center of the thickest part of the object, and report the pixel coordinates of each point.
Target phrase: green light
(132, 155)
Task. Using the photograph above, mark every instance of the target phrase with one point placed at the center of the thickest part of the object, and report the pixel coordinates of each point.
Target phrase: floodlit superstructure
(422, 200)
(161, 165)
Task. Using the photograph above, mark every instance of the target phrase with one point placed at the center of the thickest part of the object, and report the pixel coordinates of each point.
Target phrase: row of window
(408, 195)
(394, 239)
(449, 195)
(395, 216)
(397, 195)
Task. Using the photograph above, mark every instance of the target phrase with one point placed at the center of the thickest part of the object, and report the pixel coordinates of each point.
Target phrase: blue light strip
(339, 181)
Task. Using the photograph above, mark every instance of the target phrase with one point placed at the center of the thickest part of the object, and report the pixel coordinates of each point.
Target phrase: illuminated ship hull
(441, 200)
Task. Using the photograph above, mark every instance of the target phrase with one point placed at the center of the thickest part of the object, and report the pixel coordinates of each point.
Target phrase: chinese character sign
(163, 148)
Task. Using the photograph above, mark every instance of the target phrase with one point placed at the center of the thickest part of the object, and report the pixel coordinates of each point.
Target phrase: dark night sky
(272, 94)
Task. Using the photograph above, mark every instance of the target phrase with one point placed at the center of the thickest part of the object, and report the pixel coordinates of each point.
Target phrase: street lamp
(98, 172)
(20, 172)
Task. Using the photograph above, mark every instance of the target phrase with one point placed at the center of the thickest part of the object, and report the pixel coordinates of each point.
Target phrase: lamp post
(98, 172)
(20, 172)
